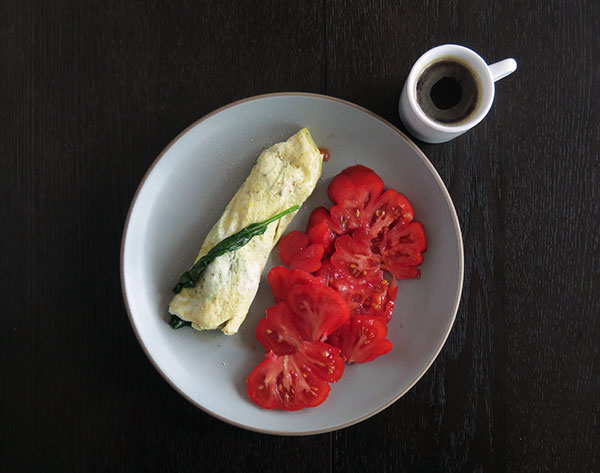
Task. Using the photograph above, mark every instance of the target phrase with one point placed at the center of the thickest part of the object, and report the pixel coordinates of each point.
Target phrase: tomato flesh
(296, 250)
(282, 280)
(352, 190)
(309, 312)
(401, 250)
(321, 234)
(325, 360)
(318, 310)
(309, 259)
(390, 208)
(286, 382)
(327, 272)
(353, 256)
(374, 300)
(362, 339)
(277, 331)
(319, 215)
(357, 183)
(291, 244)
(319, 229)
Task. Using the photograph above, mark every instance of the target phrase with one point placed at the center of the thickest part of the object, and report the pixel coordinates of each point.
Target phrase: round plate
(185, 191)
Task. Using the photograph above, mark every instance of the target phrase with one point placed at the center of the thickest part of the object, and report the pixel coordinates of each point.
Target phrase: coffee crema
(448, 91)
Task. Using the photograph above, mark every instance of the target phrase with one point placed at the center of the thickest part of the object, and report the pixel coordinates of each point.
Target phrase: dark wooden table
(90, 93)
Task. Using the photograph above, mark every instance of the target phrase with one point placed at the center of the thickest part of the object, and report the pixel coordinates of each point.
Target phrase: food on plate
(336, 293)
(362, 339)
(295, 381)
(311, 311)
(296, 250)
(231, 243)
(284, 176)
(298, 366)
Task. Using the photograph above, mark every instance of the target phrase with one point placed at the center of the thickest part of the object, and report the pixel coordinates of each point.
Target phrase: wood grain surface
(90, 93)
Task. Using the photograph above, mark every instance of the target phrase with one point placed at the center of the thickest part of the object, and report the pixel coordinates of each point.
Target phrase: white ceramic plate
(185, 191)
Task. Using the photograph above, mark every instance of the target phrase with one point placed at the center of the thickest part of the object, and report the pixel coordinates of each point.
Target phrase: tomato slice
(401, 250)
(318, 310)
(362, 339)
(296, 250)
(355, 183)
(322, 235)
(319, 229)
(390, 208)
(291, 244)
(323, 359)
(282, 280)
(277, 331)
(309, 259)
(287, 382)
(385, 300)
(318, 215)
(309, 312)
(352, 190)
(364, 297)
(327, 272)
(354, 257)
(374, 300)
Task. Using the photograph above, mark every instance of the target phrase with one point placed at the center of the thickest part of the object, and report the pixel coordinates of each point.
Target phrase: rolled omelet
(284, 176)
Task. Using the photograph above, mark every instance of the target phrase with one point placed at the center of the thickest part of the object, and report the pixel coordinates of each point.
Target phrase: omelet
(284, 175)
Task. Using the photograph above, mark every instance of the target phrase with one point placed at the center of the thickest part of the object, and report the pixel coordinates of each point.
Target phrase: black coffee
(448, 92)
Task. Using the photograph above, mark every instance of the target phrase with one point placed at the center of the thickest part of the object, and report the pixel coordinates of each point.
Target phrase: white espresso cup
(424, 127)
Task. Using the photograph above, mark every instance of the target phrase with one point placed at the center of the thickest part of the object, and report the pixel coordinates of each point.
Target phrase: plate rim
(455, 221)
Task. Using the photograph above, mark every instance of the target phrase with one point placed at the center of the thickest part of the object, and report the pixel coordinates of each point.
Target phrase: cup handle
(501, 69)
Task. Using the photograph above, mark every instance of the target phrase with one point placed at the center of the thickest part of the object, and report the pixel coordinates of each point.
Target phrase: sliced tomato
(357, 293)
(323, 359)
(322, 234)
(384, 305)
(374, 300)
(401, 250)
(319, 229)
(390, 208)
(352, 190)
(282, 280)
(277, 331)
(309, 259)
(362, 339)
(353, 256)
(296, 250)
(310, 311)
(355, 183)
(327, 272)
(318, 310)
(375, 297)
(286, 382)
(318, 215)
(291, 244)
